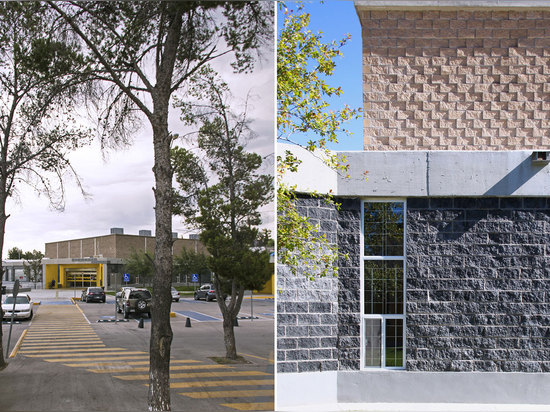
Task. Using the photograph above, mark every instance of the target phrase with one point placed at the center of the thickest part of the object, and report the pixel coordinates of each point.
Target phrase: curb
(18, 344)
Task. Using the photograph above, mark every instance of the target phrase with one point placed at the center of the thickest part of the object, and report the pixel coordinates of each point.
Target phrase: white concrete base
(418, 407)
(302, 390)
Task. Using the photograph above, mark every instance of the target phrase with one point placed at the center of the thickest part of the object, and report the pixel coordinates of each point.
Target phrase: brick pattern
(456, 80)
(349, 285)
(307, 322)
(478, 284)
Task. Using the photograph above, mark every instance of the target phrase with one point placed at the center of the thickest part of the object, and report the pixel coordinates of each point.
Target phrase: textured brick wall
(307, 322)
(478, 284)
(318, 322)
(458, 80)
(349, 285)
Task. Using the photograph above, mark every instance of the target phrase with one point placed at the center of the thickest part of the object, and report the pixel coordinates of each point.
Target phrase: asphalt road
(73, 357)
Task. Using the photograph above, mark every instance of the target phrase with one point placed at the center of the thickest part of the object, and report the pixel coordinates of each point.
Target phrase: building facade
(445, 296)
(94, 261)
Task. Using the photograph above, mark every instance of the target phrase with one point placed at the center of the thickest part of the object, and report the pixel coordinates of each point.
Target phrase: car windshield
(140, 294)
(20, 299)
(95, 290)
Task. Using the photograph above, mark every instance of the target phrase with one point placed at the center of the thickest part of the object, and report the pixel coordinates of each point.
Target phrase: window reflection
(383, 287)
(384, 229)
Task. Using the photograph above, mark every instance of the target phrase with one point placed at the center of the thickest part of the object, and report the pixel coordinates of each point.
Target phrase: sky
(335, 19)
(120, 181)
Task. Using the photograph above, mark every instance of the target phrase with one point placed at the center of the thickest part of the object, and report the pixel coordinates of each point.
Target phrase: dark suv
(134, 301)
(91, 294)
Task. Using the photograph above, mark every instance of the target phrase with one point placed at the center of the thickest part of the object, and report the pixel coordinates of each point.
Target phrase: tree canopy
(220, 192)
(304, 62)
(142, 54)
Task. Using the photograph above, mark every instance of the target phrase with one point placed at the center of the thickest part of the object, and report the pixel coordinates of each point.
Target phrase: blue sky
(335, 19)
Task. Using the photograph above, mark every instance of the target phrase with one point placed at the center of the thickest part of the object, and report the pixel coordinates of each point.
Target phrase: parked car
(206, 292)
(175, 295)
(23, 307)
(93, 294)
(133, 300)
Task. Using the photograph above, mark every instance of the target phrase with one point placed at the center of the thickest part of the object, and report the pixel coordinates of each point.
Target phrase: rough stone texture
(456, 79)
(318, 321)
(349, 285)
(478, 284)
(307, 310)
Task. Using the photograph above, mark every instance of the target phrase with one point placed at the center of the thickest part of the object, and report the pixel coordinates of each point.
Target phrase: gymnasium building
(98, 261)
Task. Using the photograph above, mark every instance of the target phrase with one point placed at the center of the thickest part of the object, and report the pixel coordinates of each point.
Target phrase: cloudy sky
(120, 182)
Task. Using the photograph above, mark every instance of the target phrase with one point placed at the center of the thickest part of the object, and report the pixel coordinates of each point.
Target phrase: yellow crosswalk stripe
(228, 394)
(256, 406)
(174, 367)
(64, 345)
(195, 375)
(98, 359)
(87, 349)
(68, 355)
(199, 384)
(40, 344)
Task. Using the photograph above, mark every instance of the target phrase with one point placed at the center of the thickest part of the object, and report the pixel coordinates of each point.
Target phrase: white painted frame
(362, 272)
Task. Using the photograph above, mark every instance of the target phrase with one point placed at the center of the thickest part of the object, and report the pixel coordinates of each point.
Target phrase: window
(383, 284)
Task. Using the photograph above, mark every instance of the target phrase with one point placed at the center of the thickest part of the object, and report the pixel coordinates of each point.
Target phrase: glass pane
(373, 342)
(383, 287)
(384, 229)
(394, 342)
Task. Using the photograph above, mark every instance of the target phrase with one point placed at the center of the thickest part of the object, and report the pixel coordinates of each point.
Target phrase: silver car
(23, 307)
(175, 295)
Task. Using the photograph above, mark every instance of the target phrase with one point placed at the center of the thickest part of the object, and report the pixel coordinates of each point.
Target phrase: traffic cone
(140, 324)
(188, 323)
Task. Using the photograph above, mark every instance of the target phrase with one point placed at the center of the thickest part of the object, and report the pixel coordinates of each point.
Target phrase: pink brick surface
(456, 80)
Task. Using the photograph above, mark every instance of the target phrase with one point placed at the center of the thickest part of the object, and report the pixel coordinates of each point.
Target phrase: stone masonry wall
(478, 284)
(307, 310)
(349, 285)
(456, 79)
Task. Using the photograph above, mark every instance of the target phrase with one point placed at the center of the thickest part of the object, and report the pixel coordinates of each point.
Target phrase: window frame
(382, 317)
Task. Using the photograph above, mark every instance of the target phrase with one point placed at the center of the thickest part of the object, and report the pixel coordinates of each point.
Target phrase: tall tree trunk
(161, 331)
(229, 337)
(3, 219)
(229, 313)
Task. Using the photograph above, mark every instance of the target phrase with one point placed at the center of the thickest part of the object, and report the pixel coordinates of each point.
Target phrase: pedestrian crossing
(60, 334)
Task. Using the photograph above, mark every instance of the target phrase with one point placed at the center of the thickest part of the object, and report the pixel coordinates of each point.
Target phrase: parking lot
(79, 354)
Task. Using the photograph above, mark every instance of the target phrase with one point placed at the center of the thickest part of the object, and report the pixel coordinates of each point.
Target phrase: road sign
(126, 277)
(195, 277)
(15, 291)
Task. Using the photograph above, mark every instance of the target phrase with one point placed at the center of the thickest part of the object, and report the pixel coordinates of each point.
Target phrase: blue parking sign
(194, 277)
(126, 277)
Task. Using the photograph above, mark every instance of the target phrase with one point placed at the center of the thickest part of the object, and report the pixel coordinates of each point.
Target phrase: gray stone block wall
(307, 311)
(478, 284)
(349, 284)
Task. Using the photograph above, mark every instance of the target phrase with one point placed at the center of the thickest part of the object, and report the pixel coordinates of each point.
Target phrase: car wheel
(141, 305)
(104, 299)
(208, 298)
(177, 300)
(196, 297)
(31, 315)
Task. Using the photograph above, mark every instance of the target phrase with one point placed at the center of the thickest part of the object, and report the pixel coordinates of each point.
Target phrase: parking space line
(256, 406)
(199, 317)
(228, 394)
(200, 384)
(195, 375)
(258, 357)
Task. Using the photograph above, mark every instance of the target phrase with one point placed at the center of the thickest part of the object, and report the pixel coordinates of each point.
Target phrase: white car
(23, 307)
(175, 295)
